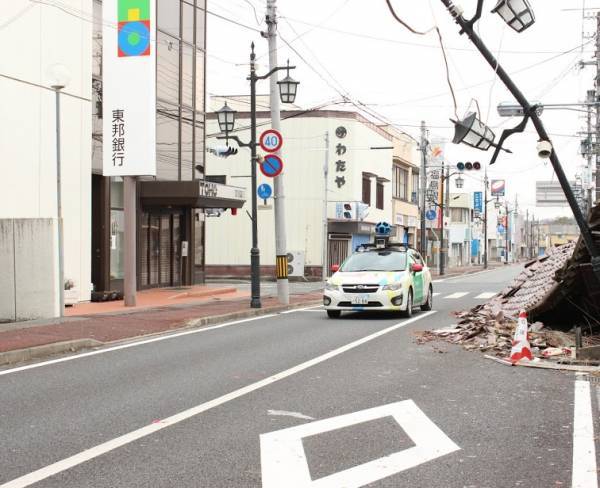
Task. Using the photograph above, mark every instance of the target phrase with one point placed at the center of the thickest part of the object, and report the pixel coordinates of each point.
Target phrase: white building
(359, 190)
(36, 37)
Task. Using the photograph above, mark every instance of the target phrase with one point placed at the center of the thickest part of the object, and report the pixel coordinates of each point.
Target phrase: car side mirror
(416, 268)
(335, 268)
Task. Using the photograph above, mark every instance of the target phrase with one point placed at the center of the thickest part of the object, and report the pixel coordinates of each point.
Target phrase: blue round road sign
(431, 214)
(264, 191)
(272, 166)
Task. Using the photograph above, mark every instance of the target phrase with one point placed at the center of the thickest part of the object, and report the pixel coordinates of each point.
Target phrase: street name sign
(271, 141)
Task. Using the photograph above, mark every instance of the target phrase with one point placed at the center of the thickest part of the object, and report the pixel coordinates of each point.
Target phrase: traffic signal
(476, 166)
(348, 210)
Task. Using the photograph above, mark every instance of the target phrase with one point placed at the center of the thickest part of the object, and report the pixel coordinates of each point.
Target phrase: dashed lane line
(456, 296)
(485, 296)
(585, 472)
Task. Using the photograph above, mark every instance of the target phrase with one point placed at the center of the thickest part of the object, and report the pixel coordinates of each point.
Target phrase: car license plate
(360, 300)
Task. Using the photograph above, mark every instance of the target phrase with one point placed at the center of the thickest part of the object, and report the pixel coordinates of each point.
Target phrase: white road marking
(456, 296)
(283, 460)
(438, 281)
(284, 413)
(100, 449)
(436, 294)
(486, 295)
(131, 344)
(306, 309)
(585, 474)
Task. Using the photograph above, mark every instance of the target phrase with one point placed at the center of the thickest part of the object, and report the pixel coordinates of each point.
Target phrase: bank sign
(129, 87)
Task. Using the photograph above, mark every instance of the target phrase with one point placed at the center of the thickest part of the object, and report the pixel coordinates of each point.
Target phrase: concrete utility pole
(325, 200)
(442, 218)
(283, 287)
(423, 149)
(485, 221)
(597, 179)
(59, 219)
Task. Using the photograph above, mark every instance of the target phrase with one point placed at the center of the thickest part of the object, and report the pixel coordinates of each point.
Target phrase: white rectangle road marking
(436, 294)
(456, 296)
(585, 473)
(106, 447)
(486, 295)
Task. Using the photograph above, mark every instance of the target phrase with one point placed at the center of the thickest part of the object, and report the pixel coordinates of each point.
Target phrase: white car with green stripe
(393, 278)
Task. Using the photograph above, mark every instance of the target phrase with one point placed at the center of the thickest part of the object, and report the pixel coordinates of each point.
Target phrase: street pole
(325, 209)
(507, 232)
(441, 249)
(485, 222)
(597, 182)
(59, 223)
(254, 252)
(423, 147)
(129, 255)
(283, 288)
(586, 232)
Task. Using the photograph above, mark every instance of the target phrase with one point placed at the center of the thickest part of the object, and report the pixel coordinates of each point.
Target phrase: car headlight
(392, 287)
(331, 286)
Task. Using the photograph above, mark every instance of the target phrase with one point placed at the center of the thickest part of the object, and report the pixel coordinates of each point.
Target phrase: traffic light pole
(529, 110)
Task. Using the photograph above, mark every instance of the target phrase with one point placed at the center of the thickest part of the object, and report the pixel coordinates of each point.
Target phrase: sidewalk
(466, 270)
(27, 340)
(89, 325)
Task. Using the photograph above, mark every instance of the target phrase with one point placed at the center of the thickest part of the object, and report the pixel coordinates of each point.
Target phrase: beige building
(405, 186)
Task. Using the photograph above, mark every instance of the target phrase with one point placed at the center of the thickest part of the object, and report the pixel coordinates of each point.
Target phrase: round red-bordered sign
(272, 166)
(271, 141)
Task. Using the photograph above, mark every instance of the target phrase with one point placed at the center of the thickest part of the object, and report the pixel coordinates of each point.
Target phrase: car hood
(367, 278)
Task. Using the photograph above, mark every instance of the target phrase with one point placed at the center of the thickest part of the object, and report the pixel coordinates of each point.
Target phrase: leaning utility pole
(283, 287)
(423, 149)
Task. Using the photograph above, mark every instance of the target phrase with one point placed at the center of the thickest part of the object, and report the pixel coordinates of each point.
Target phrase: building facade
(49, 40)
(358, 186)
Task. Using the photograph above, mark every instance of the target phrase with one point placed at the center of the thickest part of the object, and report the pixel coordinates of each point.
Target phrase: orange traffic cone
(520, 344)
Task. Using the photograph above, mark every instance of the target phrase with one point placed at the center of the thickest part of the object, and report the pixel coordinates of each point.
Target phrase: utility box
(296, 263)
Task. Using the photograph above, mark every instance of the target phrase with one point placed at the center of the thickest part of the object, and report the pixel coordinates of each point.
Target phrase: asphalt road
(363, 405)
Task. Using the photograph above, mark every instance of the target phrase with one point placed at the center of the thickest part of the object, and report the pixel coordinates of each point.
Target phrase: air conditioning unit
(296, 263)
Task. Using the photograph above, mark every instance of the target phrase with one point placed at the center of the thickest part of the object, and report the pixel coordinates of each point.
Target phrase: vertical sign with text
(129, 87)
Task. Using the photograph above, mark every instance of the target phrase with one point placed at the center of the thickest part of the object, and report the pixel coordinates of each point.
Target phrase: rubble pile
(490, 327)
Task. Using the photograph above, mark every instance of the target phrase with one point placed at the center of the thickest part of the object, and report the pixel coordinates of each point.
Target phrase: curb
(37, 352)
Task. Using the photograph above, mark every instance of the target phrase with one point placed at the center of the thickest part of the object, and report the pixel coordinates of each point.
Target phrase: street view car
(382, 276)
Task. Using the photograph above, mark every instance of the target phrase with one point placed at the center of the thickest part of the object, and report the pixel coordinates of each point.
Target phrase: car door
(417, 278)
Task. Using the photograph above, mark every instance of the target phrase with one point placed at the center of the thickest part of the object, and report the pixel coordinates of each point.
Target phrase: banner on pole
(129, 87)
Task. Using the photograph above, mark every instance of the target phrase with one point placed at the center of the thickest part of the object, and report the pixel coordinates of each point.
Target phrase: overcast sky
(355, 47)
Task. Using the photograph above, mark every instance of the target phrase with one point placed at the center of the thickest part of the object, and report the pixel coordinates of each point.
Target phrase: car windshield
(375, 261)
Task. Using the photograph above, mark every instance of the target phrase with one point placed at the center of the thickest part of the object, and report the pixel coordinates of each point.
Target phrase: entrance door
(161, 249)
(339, 248)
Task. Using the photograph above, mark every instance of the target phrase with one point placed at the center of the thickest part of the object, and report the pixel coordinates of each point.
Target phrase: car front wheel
(334, 314)
(428, 305)
(409, 305)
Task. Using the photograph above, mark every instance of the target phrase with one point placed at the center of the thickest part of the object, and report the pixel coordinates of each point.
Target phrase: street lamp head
(516, 13)
(460, 182)
(472, 132)
(226, 118)
(59, 76)
(288, 88)
(497, 204)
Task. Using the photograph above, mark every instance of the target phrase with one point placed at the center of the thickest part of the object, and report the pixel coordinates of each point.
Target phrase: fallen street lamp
(530, 111)
(516, 13)
(226, 118)
(472, 132)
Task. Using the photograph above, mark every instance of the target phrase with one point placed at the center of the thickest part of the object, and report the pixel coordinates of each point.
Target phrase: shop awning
(195, 194)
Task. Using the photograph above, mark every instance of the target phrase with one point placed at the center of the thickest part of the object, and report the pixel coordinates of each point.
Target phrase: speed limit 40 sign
(271, 141)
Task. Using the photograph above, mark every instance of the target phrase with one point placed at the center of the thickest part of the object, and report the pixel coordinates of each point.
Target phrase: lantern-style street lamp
(472, 132)
(516, 13)
(460, 182)
(226, 118)
(288, 88)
